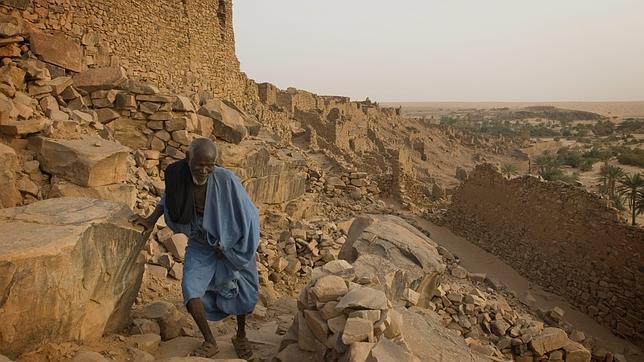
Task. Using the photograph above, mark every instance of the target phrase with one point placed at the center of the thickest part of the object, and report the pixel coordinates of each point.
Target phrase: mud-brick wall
(561, 237)
(177, 44)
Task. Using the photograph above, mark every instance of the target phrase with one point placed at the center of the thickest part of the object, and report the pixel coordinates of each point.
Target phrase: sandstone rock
(385, 350)
(57, 49)
(144, 326)
(138, 87)
(130, 132)
(357, 330)
(336, 324)
(293, 353)
(25, 185)
(328, 311)
(106, 115)
(426, 339)
(25, 127)
(9, 195)
(575, 352)
(146, 342)
(395, 324)
(155, 271)
(228, 122)
(359, 351)
(89, 356)
(177, 347)
(396, 253)
(499, 327)
(329, 288)
(306, 340)
(89, 161)
(139, 355)
(169, 318)
(183, 104)
(176, 245)
(176, 272)
(363, 298)
(10, 74)
(550, 339)
(68, 253)
(267, 179)
(59, 84)
(316, 324)
(459, 272)
(100, 78)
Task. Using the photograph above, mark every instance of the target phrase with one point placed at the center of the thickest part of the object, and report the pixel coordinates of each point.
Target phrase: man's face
(201, 165)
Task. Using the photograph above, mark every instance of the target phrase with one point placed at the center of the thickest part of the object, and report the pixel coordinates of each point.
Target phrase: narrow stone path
(477, 260)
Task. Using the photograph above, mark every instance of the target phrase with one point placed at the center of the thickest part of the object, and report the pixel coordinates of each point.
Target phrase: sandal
(242, 347)
(207, 350)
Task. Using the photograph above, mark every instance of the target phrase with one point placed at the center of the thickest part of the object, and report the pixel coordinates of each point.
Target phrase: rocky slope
(368, 288)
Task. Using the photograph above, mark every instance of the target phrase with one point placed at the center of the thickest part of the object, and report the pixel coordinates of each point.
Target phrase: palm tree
(548, 167)
(632, 187)
(509, 170)
(610, 175)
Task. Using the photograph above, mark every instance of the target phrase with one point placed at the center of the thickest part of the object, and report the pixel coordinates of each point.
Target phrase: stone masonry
(175, 44)
(561, 237)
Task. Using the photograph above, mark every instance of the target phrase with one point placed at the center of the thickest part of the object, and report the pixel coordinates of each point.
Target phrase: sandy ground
(477, 260)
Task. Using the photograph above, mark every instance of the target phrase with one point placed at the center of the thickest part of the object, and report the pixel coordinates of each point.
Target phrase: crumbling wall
(561, 237)
(177, 44)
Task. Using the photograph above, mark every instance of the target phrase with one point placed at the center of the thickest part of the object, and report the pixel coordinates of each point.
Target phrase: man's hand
(147, 224)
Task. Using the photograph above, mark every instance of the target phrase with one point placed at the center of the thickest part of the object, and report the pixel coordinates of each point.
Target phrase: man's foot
(242, 347)
(207, 350)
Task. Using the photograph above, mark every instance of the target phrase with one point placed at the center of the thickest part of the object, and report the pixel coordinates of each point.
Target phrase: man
(208, 204)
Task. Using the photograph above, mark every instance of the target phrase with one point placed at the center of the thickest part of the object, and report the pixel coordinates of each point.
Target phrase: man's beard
(205, 180)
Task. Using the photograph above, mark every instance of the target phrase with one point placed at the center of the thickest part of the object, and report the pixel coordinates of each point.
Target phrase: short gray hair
(203, 143)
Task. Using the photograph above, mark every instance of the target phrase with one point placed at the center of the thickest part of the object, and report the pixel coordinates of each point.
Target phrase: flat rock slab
(69, 270)
(100, 79)
(89, 161)
(181, 347)
(228, 121)
(57, 49)
(363, 298)
(123, 193)
(428, 340)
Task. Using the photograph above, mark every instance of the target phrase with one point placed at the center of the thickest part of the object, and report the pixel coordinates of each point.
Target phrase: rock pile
(165, 252)
(339, 319)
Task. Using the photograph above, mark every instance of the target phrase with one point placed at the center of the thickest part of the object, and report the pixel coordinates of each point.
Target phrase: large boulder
(9, 194)
(89, 161)
(267, 179)
(58, 50)
(69, 270)
(396, 253)
(229, 123)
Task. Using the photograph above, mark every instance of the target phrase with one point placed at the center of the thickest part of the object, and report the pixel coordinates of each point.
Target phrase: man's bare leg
(242, 346)
(209, 347)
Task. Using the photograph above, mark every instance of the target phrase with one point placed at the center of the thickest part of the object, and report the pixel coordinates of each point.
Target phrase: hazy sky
(446, 50)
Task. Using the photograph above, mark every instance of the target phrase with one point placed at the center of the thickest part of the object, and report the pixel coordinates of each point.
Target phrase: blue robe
(230, 223)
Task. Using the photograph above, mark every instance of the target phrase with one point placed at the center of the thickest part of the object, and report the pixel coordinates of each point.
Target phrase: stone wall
(177, 44)
(561, 237)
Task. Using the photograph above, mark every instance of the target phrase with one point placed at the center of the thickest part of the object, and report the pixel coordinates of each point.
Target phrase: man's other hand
(140, 220)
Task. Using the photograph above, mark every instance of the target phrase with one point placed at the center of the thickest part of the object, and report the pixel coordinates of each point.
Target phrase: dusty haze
(466, 50)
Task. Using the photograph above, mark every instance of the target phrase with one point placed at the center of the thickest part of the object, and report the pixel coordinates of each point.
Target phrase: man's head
(202, 155)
